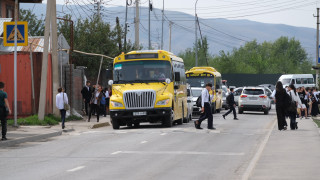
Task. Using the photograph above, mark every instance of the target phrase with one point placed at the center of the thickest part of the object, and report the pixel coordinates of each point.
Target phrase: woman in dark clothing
(280, 99)
(95, 102)
(314, 99)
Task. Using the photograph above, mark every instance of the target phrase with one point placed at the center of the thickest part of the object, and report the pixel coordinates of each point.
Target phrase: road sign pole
(15, 61)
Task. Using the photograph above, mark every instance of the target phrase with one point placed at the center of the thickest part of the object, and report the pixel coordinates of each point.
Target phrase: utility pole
(44, 70)
(196, 33)
(15, 112)
(137, 21)
(98, 7)
(317, 59)
(170, 26)
(55, 63)
(162, 24)
(125, 28)
(149, 33)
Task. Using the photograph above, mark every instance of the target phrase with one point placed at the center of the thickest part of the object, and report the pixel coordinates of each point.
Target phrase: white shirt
(60, 101)
(107, 94)
(205, 97)
(295, 97)
(273, 95)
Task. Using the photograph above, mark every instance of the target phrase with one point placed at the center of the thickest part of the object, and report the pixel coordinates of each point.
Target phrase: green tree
(35, 26)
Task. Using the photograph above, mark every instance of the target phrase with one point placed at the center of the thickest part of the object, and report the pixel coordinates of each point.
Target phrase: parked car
(225, 93)
(255, 99)
(237, 93)
(196, 92)
(190, 104)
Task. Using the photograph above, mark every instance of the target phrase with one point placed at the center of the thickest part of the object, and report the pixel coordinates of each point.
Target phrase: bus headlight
(163, 102)
(116, 104)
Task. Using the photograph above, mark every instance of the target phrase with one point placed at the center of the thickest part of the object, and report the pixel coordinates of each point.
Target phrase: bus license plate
(143, 113)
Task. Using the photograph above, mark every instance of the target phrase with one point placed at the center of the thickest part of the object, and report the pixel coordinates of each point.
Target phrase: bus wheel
(115, 124)
(218, 110)
(136, 124)
(168, 120)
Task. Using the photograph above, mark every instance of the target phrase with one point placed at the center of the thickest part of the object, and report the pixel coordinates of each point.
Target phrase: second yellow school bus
(200, 76)
(148, 86)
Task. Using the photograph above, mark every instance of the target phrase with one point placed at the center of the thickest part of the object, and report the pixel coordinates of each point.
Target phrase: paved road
(149, 152)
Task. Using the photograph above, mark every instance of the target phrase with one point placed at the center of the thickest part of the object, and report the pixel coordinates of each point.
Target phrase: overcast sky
(290, 12)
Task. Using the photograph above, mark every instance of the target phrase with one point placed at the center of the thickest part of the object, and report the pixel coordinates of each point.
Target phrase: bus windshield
(200, 81)
(142, 71)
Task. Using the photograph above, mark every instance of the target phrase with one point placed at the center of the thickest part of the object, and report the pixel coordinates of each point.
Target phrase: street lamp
(196, 34)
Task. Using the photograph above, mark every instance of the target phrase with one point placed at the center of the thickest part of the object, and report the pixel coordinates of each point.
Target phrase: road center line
(143, 142)
(76, 169)
(117, 152)
(258, 154)
(184, 153)
(163, 134)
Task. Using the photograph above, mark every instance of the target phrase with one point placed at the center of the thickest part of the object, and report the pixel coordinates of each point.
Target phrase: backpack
(290, 104)
(228, 99)
(198, 102)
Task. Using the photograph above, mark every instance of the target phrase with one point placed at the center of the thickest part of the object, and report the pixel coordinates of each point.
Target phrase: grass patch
(34, 121)
(49, 120)
(317, 122)
(74, 118)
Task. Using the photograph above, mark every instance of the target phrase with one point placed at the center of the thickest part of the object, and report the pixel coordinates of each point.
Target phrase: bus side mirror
(176, 76)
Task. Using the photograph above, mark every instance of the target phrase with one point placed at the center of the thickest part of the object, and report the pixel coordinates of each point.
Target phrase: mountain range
(222, 34)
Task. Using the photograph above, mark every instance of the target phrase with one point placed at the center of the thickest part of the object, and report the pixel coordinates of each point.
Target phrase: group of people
(96, 100)
(206, 109)
(294, 102)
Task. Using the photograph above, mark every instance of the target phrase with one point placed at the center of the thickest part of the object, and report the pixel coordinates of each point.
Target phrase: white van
(298, 80)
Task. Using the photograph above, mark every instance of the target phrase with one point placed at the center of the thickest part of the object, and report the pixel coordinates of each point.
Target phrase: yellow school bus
(200, 76)
(148, 86)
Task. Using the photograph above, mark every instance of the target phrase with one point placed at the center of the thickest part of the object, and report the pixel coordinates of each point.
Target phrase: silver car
(225, 93)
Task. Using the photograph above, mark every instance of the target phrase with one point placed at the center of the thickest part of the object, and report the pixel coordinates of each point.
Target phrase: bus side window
(298, 80)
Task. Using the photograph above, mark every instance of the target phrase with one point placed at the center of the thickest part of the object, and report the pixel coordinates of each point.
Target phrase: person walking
(280, 100)
(314, 100)
(206, 110)
(95, 102)
(103, 103)
(232, 105)
(303, 107)
(86, 95)
(293, 115)
(61, 99)
(4, 111)
(108, 90)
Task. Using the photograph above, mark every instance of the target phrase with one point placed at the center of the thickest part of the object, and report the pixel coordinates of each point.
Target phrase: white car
(237, 93)
(254, 99)
(190, 105)
(196, 92)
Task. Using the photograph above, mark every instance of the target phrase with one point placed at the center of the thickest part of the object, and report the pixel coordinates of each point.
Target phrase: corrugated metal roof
(37, 45)
(2, 20)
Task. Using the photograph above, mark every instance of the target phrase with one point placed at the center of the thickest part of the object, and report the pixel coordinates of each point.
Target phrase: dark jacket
(231, 99)
(281, 99)
(87, 94)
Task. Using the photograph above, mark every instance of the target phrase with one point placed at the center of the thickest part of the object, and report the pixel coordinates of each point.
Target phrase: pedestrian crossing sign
(22, 33)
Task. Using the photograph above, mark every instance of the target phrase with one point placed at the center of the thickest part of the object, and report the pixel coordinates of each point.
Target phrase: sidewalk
(35, 133)
(291, 154)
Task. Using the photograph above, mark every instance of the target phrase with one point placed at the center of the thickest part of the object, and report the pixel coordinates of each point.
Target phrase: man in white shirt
(206, 99)
(61, 99)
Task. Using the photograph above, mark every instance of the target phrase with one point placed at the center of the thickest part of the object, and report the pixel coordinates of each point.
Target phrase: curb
(29, 139)
(98, 125)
